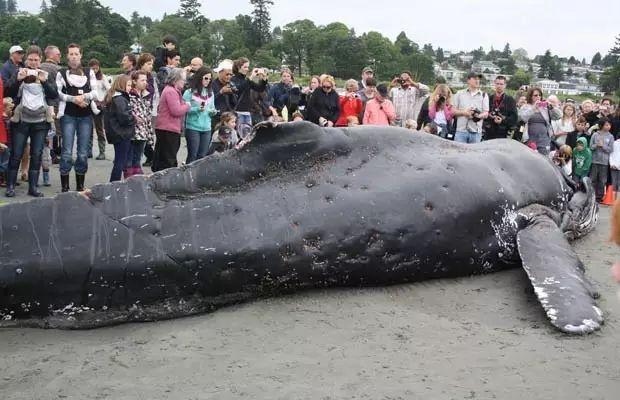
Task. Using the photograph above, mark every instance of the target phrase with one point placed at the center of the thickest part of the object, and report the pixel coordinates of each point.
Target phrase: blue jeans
(82, 127)
(37, 132)
(467, 137)
(243, 119)
(122, 153)
(135, 157)
(5, 156)
(197, 144)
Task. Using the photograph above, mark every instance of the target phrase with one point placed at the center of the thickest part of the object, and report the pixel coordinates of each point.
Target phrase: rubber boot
(138, 171)
(101, 155)
(79, 182)
(33, 179)
(11, 178)
(127, 172)
(64, 183)
(46, 179)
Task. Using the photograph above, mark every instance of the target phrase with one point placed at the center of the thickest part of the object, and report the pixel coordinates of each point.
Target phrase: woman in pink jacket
(172, 109)
(380, 110)
(440, 110)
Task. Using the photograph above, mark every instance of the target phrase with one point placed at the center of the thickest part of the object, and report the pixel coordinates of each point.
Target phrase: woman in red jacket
(350, 104)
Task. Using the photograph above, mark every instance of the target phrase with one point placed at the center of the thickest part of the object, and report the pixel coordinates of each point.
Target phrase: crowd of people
(146, 110)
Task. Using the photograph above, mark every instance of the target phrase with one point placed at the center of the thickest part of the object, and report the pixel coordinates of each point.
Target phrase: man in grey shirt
(471, 108)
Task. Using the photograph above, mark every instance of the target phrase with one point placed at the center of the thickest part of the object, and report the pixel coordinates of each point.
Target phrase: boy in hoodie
(602, 144)
(581, 130)
(582, 160)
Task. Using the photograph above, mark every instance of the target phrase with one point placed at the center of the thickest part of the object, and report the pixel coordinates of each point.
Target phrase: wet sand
(483, 337)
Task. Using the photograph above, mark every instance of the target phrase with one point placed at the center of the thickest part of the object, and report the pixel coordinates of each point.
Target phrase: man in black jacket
(503, 112)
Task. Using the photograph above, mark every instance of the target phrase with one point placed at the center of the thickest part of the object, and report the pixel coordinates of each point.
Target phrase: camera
(441, 101)
(496, 113)
(475, 116)
(323, 122)
(233, 87)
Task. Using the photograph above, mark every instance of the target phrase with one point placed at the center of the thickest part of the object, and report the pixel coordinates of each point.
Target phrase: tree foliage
(261, 21)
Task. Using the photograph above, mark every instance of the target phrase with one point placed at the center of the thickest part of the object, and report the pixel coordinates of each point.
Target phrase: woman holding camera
(350, 104)
(537, 115)
(33, 89)
(324, 106)
(198, 119)
(440, 111)
(244, 86)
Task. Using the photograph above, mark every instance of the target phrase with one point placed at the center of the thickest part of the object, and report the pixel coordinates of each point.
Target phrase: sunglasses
(327, 87)
(206, 78)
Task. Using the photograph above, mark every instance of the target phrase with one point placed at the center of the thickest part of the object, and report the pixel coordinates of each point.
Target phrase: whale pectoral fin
(557, 275)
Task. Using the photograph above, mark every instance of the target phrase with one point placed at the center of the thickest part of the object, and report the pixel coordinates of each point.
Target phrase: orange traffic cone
(609, 198)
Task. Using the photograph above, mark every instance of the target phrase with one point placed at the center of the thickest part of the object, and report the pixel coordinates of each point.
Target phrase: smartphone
(32, 72)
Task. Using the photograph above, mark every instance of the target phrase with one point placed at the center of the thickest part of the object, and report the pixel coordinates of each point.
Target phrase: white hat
(224, 64)
(16, 49)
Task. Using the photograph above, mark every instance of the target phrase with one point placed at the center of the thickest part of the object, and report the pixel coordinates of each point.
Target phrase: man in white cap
(225, 93)
(15, 62)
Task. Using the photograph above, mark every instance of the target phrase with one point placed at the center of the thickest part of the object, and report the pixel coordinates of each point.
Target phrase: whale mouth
(582, 214)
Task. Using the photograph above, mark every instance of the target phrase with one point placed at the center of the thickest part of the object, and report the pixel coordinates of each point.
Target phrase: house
(466, 58)
(452, 75)
(485, 67)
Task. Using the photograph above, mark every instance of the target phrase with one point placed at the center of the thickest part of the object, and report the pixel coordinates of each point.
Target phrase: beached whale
(298, 207)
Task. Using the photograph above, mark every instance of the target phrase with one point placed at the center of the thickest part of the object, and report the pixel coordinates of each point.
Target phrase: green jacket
(582, 160)
(197, 119)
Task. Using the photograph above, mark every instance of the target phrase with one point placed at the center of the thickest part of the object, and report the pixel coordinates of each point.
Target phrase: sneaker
(148, 164)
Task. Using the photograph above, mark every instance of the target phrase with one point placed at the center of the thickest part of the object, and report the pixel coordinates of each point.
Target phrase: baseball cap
(224, 64)
(473, 74)
(16, 49)
(368, 69)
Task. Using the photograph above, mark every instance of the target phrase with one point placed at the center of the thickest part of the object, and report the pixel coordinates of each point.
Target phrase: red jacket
(349, 107)
(4, 137)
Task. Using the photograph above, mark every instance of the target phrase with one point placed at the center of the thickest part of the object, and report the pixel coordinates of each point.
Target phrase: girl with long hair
(198, 118)
(120, 123)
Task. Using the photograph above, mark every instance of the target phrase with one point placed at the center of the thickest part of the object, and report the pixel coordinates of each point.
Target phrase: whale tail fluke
(558, 277)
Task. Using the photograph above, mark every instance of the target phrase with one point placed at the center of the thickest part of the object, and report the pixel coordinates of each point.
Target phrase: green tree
(610, 79)
(591, 78)
(507, 65)
(11, 7)
(264, 57)
(383, 55)
(519, 78)
(507, 52)
(170, 24)
(478, 54)
(102, 22)
(546, 65)
(596, 60)
(297, 39)
(261, 20)
(43, 9)
(520, 54)
(572, 61)
(421, 66)
(404, 45)
(2, 7)
(427, 50)
(189, 9)
(21, 29)
(439, 56)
